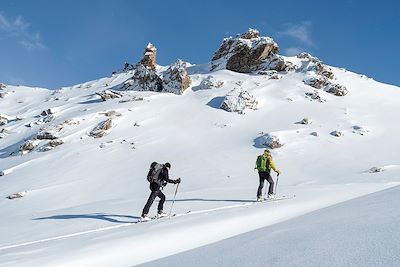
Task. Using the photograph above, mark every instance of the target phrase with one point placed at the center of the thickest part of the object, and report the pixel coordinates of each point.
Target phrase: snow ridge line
(124, 225)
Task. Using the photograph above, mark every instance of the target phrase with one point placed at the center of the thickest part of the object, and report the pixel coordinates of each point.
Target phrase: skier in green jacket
(264, 164)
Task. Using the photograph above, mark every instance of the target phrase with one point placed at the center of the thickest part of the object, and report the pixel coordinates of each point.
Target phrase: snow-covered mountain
(76, 158)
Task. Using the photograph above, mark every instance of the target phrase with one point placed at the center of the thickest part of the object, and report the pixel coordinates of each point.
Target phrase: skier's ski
(277, 198)
(153, 218)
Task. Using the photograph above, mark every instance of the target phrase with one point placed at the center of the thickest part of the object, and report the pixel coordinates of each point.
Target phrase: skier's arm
(166, 178)
(272, 164)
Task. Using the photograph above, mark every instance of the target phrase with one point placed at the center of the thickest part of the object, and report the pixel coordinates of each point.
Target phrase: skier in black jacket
(155, 187)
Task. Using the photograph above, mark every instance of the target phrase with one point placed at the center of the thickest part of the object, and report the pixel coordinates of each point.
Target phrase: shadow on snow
(96, 216)
(213, 200)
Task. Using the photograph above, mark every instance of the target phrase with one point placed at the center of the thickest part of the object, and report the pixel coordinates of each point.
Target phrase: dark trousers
(155, 192)
(265, 176)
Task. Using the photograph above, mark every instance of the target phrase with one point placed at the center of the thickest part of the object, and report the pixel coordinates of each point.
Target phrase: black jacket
(163, 179)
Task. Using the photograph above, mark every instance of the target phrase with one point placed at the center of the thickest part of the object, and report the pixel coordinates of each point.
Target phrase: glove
(278, 173)
(178, 181)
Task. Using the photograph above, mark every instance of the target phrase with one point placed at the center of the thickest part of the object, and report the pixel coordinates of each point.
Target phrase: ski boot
(161, 214)
(145, 218)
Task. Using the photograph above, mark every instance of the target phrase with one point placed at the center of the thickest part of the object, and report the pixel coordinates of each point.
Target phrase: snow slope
(360, 232)
(83, 197)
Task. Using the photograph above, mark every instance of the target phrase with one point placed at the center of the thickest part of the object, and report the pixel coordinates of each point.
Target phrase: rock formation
(149, 58)
(101, 129)
(176, 80)
(245, 52)
(108, 94)
(210, 82)
(271, 141)
(238, 100)
(320, 75)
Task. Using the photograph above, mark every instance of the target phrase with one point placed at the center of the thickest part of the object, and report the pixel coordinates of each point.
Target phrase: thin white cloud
(293, 51)
(19, 30)
(300, 32)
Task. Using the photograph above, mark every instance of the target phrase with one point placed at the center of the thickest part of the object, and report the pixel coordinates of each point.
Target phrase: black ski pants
(265, 176)
(155, 192)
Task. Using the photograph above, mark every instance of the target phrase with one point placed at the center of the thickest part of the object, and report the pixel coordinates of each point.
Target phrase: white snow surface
(84, 197)
(360, 232)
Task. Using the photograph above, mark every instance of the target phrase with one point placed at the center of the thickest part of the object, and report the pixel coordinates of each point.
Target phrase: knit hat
(168, 165)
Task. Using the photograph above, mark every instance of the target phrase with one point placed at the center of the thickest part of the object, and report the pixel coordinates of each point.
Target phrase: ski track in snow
(138, 221)
(123, 225)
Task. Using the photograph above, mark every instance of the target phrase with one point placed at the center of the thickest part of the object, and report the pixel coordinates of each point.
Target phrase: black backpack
(154, 173)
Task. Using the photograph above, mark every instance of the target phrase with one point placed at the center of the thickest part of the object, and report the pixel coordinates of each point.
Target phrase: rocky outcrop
(361, 130)
(238, 100)
(210, 82)
(317, 82)
(127, 67)
(102, 128)
(47, 112)
(149, 58)
(2, 94)
(51, 145)
(337, 133)
(311, 63)
(46, 135)
(17, 195)
(314, 96)
(305, 121)
(320, 75)
(245, 53)
(176, 80)
(336, 89)
(28, 146)
(277, 63)
(55, 143)
(272, 74)
(3, 119)
(144, 79)
(108, 94)
(376, 169)
(271, 141)
(45, 116)
(145, 76)
(112, 113)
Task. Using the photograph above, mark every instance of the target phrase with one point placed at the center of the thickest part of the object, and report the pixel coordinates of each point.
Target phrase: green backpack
(262, 163)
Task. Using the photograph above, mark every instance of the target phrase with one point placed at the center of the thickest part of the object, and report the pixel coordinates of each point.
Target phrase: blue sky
(59, 43)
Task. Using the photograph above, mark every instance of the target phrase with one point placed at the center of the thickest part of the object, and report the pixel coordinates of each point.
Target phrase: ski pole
(276, 186)
(173, 201)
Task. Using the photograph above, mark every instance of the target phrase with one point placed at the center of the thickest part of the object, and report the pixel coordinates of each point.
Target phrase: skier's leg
(162, 200)
(149, 202)
(261, 186)
(271, 184)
